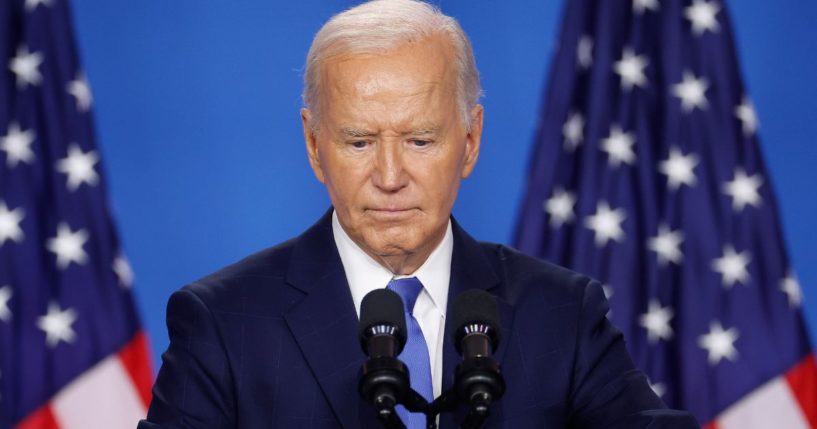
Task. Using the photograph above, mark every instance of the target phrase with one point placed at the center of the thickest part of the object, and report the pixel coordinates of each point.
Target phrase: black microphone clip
(478, 378)
(384, 381)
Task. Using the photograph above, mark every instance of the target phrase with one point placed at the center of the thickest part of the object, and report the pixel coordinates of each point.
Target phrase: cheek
(344, 179)
(443, 182)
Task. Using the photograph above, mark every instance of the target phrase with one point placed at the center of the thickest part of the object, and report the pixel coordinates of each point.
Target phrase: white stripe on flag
(772, 405)
(102, 397)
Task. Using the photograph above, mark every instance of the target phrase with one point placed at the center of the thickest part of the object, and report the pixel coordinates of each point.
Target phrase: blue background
(196, 106)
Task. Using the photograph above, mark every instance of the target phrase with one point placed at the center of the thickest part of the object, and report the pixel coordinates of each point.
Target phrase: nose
(389, 172)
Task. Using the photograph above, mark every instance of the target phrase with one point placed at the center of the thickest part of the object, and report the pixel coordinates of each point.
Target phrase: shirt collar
(364, 274)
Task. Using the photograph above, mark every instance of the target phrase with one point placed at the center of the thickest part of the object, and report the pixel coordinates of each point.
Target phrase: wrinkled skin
(391, 148)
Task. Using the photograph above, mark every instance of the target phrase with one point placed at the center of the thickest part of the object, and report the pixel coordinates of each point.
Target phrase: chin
(393, 244)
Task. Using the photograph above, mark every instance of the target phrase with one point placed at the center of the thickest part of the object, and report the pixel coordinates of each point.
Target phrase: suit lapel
(324, 323)
(470, 269)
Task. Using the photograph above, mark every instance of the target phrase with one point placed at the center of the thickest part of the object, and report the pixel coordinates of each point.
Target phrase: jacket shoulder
(260, 275)
(269, 262)
(521, 273)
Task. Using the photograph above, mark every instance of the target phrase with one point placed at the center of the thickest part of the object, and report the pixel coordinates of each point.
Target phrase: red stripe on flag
(43, 418)
(802, 380)
(713, 425)
(135, 357)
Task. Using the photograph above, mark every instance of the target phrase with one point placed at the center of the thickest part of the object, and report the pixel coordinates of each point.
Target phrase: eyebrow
(423, 131)
(362, 132)
(357, 132)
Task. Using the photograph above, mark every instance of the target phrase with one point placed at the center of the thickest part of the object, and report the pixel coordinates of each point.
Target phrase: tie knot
(409, 289)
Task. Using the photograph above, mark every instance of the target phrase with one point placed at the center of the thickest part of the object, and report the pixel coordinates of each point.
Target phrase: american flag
(72, 350)
(647, 174)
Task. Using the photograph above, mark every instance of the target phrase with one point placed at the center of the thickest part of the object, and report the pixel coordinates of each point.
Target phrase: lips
(390, 209)
(391, 213)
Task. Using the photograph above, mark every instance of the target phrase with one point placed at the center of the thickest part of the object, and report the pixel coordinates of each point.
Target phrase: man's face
(391, 148)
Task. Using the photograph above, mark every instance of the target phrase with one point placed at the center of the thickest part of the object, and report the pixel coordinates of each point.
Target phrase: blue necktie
(415, 353)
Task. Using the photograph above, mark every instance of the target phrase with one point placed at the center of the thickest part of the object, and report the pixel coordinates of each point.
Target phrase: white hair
(381, 26)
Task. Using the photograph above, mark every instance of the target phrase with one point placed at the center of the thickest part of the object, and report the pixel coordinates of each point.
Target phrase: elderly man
(391, 125)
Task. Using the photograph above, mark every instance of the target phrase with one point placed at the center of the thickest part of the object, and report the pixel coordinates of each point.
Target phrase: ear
(311, 139)
(473, 141)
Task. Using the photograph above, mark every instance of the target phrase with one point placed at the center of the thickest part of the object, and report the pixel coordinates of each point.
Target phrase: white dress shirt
(364, 275)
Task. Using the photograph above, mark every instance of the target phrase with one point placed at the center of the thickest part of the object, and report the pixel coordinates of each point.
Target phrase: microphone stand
(416, 403)
(385, 383)
(449, 401)
(446, 402)
(478, 383)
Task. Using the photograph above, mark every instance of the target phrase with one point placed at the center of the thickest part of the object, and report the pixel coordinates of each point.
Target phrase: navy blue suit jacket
(271, 342)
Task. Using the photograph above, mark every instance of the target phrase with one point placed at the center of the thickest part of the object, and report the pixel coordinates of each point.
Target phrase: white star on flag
(32, 4)
(573, 131)
(732, 266)
(658, 388)
(81, 91)
(619, 147)
(679, 168)
(791, 287)
(667, 245)
(17, 145)
(67, 245)
(747, 115)
(692, 92)
(701, 14)
(56, 324)
(123, 271)
(5, 297)
(631, 69)
(639, 6)
(656, 322)
(26, 66)
(584, 52)
(608, 291)
(719, 343)
(560, 207)
(606, 223)
(10, 224)
(79, 166)
(743, 189)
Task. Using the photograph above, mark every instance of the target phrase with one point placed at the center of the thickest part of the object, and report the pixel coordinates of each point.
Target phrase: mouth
(391, 213)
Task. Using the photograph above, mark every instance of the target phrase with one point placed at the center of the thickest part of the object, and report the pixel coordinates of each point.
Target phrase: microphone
(478, 380)
(382, 331)
(477, 320)
(382, 328)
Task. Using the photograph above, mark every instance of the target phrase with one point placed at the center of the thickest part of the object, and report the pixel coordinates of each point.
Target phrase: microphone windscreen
(476, 306)
(383, 307)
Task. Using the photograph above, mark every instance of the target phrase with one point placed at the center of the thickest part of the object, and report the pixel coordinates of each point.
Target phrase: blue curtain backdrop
(197, 117)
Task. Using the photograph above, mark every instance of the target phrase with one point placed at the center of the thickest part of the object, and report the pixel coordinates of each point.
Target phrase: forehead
(418, 73)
